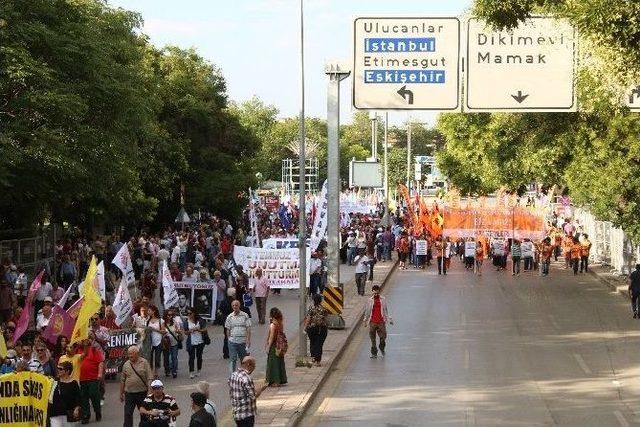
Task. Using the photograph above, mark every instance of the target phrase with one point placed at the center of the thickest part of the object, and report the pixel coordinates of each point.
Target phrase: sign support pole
(302, 229)
(336, 75)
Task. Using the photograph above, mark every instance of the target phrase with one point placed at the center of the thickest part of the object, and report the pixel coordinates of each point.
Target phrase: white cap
(156, 384)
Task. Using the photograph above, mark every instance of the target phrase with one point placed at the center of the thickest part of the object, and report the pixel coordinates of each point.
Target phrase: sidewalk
(617, 282)
(281, 406)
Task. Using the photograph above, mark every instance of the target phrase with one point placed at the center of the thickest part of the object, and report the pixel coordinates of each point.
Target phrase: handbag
(247, 300)
(282, 345)
(166, 343)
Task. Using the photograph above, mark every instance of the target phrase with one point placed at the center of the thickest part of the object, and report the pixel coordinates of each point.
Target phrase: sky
(256, 43)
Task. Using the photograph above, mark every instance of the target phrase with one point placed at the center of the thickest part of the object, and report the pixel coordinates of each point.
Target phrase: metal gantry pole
(302, 225)
(386, 168)
(409, 155)
(333, 183)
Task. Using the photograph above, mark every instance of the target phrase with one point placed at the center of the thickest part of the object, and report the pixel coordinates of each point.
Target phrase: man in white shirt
(362, 270)
(44, 291)
(43, 317)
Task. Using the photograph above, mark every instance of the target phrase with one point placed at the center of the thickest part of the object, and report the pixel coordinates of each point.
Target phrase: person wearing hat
(200, 417)
(158, 408)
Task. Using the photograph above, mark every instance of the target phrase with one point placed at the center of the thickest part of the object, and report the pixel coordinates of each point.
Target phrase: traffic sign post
(530, 68)
(406, 64)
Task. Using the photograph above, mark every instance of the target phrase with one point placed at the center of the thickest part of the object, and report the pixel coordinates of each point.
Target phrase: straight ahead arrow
(520, 97)
(406, 94)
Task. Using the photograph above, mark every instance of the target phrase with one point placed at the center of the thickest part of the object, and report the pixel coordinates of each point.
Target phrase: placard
(421, 247)
(470, 249)
(201, 296)
(497, 247)
(527, 249)
(116, 349)
(24, 399)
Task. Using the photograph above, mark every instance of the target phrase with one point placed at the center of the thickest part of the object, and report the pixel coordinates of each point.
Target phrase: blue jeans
(171, 360)
(237, 352)
(351, 254)
(545, 267)
(386, 251)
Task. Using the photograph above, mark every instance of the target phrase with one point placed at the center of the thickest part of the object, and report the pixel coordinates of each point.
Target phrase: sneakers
(635, 315)
(191, 375)
(382, 353)
(198, 373)
(373, 356)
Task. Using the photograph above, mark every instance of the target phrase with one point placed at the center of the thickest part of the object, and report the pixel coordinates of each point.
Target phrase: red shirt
(109, 322)
(89, 369)
(376, 313)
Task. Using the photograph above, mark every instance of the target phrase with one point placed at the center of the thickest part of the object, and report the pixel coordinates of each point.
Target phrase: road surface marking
(582, 363)
(623, 422)
(467, 359)
(469, 418)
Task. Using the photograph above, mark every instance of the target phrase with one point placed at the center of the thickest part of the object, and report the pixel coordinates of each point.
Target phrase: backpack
(281, 343)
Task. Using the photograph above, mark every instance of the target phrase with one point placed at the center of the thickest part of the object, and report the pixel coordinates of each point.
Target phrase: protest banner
(527, 249)
(122, 304)
(122, 260)
(523, 222)
(170, 294)
(281, 243)
(24, 399)
(279, 266)
(116, 349)
(421, 247)
(60, 323)
(470, 249)
(497, 246)
(272, 203)
(360, 206)
(202, 296)
(320, 221)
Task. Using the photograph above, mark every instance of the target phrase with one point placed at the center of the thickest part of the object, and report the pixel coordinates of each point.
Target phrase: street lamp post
(302, 224)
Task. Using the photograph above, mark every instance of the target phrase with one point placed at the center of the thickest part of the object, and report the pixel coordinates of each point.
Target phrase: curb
(295, 420)
(611, 285)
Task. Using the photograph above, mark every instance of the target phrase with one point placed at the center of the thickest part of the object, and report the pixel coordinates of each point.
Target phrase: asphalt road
(494, 350)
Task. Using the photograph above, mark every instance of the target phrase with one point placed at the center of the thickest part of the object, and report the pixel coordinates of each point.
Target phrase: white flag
(122, 305)
(253, 220)
(122, 260)
(170, 293)
(320, 221)
(65, 297)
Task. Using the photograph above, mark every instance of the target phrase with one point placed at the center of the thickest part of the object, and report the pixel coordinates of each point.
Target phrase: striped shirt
(516, 251)
(165, 404)
(238, 325)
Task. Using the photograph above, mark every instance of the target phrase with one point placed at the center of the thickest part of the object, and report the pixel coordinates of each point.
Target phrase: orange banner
(521, 222)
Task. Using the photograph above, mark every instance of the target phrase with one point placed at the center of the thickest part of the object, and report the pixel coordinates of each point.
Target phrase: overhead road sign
(365, 174)
(530, 68)
(406, 63)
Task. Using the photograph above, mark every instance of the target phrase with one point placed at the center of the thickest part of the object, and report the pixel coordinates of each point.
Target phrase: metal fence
(610, 245)
(30, 252)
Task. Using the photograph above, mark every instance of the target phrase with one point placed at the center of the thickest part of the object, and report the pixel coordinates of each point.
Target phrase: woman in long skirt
(275, 347)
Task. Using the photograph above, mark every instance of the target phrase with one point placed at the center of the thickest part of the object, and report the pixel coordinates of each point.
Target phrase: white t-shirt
(156, 337)
(42, 322)
(361, 267)
(44, 291)
(196, 337)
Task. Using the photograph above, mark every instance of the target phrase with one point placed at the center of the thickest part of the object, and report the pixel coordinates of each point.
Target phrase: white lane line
(582, 363)
(469, 418)
(621, 419)
(467, 359)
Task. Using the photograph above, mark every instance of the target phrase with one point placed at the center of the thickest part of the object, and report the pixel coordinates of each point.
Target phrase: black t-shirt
(635, 281)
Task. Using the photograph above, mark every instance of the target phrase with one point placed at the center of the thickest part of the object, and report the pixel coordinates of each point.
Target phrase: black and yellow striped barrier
(333, 300)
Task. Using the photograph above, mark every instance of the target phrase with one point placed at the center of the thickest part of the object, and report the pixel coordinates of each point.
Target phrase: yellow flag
(90, 306)
(3, 347)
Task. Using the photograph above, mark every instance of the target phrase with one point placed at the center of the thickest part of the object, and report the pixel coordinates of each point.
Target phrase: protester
(260, 292)
(275, 347)
(42, 362)
(195, 328)
(172, 342)
(42, 319)
(210, 407)
(135, 380)
(576, 251)
(585, 249)
(547, 251)
(65, 406)
(375, 318)
(479, 257)
(315, 324)
(242, 392)
(75, 358)
(361, 262)
(91, 372)
(238, 332)
(156, 324)
(200, 417)
(516, 255)
(158, 408)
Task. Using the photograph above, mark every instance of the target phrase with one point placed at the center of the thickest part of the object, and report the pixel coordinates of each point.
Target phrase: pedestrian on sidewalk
(376, 316)
(242, 392)
(634, 290)
(237, 329)
(276, 348)
(362, 271)
(261, 292)
(200, 417)
(315, 324)
(210, 407)
(135, 381)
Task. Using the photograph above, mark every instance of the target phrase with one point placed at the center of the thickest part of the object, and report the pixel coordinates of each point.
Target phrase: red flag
(23, 322)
